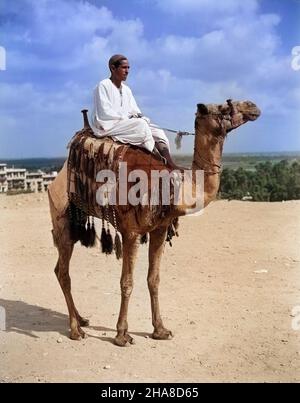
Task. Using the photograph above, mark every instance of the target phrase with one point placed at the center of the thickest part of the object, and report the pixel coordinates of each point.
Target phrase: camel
(212, 124)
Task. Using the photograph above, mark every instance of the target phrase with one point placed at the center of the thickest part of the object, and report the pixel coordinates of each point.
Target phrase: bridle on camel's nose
(219, 116)
(232, 109)
(233, 112)
(222, 121)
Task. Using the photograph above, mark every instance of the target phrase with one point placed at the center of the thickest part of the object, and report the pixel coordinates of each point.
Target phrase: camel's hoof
(162, 334)
(77, 334)
(83, 322)
(124, 340)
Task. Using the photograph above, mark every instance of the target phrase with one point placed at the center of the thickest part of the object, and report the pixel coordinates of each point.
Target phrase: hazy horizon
(225, 154)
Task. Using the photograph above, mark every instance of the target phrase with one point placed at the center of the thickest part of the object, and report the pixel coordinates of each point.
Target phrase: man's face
(120, 73)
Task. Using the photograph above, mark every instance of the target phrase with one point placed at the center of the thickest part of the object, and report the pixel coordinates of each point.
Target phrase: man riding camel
(116, 114)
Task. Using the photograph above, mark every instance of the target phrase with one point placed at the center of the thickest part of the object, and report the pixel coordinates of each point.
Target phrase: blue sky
(181, 52)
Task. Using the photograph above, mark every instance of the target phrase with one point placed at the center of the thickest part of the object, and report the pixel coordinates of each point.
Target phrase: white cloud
(200, 7)
(46, 118)
(236, 56)
(70, 21)
(72, 35)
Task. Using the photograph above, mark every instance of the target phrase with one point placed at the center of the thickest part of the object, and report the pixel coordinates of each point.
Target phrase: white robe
(112, 108)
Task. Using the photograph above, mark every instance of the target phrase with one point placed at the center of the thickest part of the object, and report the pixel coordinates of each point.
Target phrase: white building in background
(15, 178)
(3, 178)
(48, 178)
(34, 181)
(21, 179)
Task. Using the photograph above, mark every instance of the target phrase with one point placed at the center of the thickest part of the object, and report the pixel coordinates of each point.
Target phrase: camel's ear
(202, 108)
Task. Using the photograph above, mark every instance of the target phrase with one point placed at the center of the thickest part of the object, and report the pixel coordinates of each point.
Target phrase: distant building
(48, 178)
(15, 178)
(34, 181)
(3, 178)
(21, 179)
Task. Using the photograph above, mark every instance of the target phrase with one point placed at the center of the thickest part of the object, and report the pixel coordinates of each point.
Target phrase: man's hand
(135, 115)
(140, 116)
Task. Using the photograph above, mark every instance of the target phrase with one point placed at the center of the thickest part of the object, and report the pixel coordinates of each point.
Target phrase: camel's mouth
(252, 116)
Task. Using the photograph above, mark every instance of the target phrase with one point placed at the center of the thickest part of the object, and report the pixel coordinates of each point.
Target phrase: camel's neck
(207, 157)
(207, 160)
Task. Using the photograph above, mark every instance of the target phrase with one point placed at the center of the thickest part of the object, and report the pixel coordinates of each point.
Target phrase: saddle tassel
(109, 242)
(117, 242)
(90, 234)
(144, 238)
(103, 237)
(118, 246)
(106, 239)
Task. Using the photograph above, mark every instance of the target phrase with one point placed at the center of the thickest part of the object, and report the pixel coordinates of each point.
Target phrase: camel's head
(221, 119)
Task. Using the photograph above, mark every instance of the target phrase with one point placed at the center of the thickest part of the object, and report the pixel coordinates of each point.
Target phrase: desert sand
(228, 288)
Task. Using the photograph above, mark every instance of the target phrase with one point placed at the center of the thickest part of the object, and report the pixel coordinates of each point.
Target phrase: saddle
(89, 155)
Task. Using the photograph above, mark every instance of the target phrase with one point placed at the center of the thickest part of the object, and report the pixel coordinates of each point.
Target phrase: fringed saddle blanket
(88, 155)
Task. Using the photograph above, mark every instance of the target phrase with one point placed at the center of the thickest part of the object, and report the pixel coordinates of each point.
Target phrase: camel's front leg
(156, 247)
(130, 247)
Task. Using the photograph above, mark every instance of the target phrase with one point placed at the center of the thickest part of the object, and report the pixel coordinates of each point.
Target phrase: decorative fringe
(117, 243)
(144, 238)
(103, 240)
(178, 140)
(118, 246)
(72, 157)
(109, 244)
(170, 234)
(77, 227)
(93, 233)
(106, 240)
(172, 230)
(176, 225)
(82, 227)
(83, 236)
(90, 235)
(91, 168)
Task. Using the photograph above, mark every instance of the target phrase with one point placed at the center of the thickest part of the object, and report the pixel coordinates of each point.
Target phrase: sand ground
(228, 288)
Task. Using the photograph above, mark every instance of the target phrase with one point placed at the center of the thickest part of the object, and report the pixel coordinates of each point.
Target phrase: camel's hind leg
(156, 247)
(58, 201)
(65, 247)
(65, 244)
